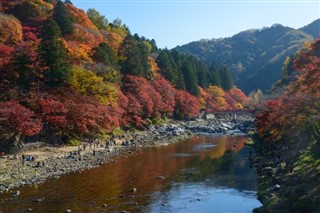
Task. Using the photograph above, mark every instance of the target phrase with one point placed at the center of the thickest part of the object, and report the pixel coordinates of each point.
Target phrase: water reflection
(199, 198)
(206, 165)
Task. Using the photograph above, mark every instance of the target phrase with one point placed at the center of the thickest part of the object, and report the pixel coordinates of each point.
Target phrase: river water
(201, 174)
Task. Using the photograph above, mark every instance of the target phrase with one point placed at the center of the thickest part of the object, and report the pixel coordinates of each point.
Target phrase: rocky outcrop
(225, 125)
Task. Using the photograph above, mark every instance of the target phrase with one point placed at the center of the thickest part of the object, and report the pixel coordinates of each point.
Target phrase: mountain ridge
(253, 54)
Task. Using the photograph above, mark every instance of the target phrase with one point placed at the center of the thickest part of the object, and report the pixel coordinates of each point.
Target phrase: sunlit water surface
(201, 174)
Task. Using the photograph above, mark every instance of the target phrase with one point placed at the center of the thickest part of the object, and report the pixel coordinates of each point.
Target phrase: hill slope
(312, 29)
(254, 56)
(67, 75)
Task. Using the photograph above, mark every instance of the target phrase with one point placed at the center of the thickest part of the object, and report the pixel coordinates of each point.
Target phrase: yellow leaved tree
(87, 82)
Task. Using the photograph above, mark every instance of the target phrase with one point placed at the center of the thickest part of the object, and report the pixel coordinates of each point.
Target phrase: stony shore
(53, 162)
(288, 178)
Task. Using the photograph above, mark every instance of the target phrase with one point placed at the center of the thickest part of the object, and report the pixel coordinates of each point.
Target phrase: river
(201, 174)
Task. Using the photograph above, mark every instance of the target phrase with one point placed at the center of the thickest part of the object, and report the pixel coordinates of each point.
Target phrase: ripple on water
(204, 147)
(182, 155)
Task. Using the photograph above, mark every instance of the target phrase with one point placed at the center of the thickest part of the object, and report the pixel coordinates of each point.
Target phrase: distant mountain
(312, 29)
(255, 56)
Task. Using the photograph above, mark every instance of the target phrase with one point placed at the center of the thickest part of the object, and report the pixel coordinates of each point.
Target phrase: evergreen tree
(67, 2)
(164, 64)
(53, 55)
(180, 82)
(154, 48)
(226, 78)
(213, 76)
(177, 57)
(190, 78)
(63, 18)
(178, 76)
(202, 74)
(104, 54)
(22, 63)
(134, 58)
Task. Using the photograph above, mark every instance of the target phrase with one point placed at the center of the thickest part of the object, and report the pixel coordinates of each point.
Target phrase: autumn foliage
(10, 30)
(297, 109)
(186, 105)
(16, 119)
(76, 80)
(215, 99)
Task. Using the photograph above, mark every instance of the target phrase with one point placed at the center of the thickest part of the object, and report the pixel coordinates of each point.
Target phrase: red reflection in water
(111, 184)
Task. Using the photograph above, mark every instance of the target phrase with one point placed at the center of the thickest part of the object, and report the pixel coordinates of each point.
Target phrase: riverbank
(288, 177)
(53, 162)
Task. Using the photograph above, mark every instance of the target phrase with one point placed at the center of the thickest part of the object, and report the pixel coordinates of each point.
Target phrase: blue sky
(177, 22)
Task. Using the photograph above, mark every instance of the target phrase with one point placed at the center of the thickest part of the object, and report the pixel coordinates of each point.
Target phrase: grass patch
(73, 142)
(118, 132)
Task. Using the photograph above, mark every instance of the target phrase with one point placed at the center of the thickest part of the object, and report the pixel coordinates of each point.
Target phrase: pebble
(15, 194)
(38, 200)
(160, 177)
(68, 211)
(276, 187)
(133, 190)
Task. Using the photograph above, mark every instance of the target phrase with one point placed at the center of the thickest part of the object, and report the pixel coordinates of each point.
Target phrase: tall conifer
(53, 55)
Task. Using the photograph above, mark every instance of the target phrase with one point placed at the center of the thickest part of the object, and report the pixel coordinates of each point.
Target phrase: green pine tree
(133, 56)
(202, 74)
(189, 78)
(63, 18)
(226, 78)
(213, 76)
(164, 64)
(104, 54)
(22, 63)
(67, 2)
(53, 55)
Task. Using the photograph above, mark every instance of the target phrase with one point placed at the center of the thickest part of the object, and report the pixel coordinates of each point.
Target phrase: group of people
(93, 144)
(110, 142)
(25, 158)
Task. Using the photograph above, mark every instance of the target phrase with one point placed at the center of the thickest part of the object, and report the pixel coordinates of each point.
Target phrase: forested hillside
(254, 56)
(67, 74)
(289, 135)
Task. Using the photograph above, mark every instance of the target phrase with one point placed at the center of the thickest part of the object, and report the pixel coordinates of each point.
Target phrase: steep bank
(52, 162)
(288, 178)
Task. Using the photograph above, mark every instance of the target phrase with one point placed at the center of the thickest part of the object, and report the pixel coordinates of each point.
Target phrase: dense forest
(67, 74)
(254, 56)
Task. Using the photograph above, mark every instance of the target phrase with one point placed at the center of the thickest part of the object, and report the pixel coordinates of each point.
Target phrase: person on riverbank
(23, 159)
(85, 144)
(79, 150)
(70, 155)
(107, 143)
